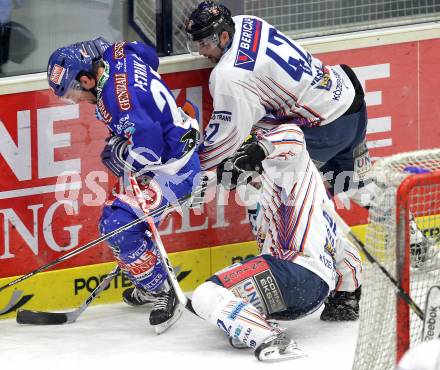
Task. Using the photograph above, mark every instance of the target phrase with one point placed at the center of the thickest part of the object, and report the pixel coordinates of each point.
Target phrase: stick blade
(41, 318)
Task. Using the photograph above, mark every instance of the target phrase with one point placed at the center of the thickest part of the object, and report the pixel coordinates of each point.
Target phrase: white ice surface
(118, 337)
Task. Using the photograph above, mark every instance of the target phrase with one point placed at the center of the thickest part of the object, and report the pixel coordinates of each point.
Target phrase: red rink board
(39, 137)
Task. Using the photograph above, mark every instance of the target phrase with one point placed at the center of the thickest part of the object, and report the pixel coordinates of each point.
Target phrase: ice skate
(137, 297)
(278, 347)
(166, 311)
(342, 306)
(238, 344)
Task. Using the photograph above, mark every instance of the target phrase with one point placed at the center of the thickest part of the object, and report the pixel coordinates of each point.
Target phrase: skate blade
(272, 354)
(159, 329)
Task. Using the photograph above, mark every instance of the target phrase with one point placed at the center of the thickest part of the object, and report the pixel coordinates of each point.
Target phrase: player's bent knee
(209, 296)
(112, 219)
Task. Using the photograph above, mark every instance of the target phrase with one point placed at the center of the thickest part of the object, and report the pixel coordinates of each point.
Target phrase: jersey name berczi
(249, 44)
(246, 33)
(121, 91)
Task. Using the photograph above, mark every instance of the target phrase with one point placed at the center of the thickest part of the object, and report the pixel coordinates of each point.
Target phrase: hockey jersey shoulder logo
(243, 58)
(118, 50)
(322, 80)
(57, 73)
(249, 44)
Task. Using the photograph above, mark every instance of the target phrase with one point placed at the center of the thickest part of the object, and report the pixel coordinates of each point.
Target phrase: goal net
(403, 235)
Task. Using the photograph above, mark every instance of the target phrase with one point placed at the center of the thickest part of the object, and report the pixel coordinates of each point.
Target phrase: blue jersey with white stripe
(135, 104)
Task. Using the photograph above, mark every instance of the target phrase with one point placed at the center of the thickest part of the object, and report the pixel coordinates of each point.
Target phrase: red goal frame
(403, 200)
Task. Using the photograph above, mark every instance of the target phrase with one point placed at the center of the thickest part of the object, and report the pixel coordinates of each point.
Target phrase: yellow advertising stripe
(61, 289)
(68, 288)
(226, 255)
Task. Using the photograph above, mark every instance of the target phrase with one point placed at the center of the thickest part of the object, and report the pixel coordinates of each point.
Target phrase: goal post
(403, 235)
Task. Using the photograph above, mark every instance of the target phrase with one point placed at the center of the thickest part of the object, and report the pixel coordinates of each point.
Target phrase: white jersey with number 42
(266, 74)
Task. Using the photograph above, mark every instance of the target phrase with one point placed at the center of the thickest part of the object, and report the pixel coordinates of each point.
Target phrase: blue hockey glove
(243, 166)
(114, 156)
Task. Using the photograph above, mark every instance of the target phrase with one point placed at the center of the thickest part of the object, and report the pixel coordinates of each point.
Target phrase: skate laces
(142, 295)
(161, 302)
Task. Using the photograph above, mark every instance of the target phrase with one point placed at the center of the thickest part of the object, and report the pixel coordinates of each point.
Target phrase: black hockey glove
(114, 156)
(191, 138)
(243, 166)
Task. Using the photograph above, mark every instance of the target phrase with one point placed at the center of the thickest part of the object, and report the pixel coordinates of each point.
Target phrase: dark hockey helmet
(208, 21)
(66, 64)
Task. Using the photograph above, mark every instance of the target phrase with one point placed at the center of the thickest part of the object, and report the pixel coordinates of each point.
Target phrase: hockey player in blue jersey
(150, 137)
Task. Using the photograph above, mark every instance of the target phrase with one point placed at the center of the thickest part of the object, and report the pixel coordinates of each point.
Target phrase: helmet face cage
(72, 93)
(209, 42)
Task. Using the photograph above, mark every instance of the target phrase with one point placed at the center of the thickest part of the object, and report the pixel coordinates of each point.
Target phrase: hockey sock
(232, 314)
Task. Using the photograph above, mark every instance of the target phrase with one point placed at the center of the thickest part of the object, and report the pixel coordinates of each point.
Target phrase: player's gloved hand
(243, 166)
(114, 156)
(192, 139)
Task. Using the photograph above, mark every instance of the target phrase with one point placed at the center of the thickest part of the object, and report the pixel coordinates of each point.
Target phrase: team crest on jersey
(249, 44)
(323, 80)
(124, 124)
(120, 66)
(151, 191)
(328, 248)
(243, 58)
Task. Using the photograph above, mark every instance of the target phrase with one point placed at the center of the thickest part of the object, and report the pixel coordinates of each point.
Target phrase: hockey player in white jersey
(263, 76)
(303, 256)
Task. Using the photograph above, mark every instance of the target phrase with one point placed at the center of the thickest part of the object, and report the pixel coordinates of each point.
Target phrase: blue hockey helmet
(66, 63)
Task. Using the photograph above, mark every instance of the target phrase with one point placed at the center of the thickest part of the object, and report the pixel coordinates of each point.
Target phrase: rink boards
(68, 288)
(61, 289)
(43, 216)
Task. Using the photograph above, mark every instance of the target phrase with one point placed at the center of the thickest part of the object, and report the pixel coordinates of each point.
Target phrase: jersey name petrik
(140, 75)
